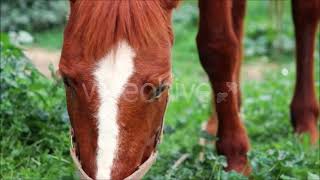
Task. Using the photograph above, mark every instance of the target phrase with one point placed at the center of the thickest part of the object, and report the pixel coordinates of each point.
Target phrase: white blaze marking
(112, 74)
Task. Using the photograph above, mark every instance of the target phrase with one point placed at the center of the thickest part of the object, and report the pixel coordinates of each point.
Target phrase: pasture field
(34, 122)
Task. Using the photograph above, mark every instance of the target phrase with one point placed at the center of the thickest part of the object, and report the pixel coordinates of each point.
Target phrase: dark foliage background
(32, 15)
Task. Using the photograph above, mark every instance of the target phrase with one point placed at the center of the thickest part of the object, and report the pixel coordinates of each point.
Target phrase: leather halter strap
(138, 174)
(142, 169)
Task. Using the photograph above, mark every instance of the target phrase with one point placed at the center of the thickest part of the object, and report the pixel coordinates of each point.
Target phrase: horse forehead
(116, 64)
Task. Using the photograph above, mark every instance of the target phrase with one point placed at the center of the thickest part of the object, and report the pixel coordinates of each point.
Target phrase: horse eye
(69, 86)
(66, 81)
(157, 92)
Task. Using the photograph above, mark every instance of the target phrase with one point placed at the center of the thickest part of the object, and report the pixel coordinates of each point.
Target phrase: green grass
(275, 152)
(50, 39)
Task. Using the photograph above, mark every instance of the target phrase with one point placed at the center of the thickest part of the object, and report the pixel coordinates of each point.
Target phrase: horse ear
(170, 4)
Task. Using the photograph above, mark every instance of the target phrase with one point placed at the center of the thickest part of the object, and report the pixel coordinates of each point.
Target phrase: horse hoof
(306, 124)
(311, 131)
(235, 145)
(239, 166)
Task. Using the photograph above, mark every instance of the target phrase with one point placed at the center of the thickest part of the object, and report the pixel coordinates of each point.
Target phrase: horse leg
(218, 48)
(238, 13)
(304, 105)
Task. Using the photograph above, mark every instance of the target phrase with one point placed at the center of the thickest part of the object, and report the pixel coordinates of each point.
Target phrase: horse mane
(100, 25)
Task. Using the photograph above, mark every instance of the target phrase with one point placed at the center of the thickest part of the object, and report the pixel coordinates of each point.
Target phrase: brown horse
(116, 67)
